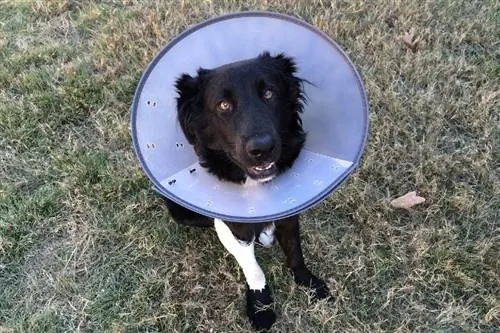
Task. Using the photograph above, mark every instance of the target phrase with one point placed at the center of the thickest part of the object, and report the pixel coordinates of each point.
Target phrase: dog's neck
(249, 182)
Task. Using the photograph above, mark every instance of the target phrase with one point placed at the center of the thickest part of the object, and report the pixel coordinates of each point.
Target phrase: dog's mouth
(263, 172)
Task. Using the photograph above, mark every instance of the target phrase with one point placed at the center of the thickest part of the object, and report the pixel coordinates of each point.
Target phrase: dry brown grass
(86, 246)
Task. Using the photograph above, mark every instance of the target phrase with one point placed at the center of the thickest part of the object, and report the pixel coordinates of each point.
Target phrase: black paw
(259, 308)
(318, 287)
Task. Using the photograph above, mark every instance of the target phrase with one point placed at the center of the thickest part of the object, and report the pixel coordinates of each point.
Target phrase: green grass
(86, 246)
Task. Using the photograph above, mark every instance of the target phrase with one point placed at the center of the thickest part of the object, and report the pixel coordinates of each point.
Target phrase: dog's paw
(259, 309)
(318, 287)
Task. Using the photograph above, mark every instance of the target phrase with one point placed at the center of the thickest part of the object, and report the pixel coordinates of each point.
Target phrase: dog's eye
(224, 106)
(268, 94)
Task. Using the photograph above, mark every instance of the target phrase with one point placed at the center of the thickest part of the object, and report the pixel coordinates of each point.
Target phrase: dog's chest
(266, 237)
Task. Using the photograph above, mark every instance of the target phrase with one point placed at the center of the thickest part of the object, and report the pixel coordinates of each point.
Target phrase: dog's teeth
(265, 167)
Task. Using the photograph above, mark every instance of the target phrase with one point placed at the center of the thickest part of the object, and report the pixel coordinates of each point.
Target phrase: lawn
(86, 246)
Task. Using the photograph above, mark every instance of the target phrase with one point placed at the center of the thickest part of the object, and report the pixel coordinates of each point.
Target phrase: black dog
(243, 120)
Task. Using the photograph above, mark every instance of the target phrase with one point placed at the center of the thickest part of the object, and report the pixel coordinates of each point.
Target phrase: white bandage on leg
(244, 255)
(266, 237)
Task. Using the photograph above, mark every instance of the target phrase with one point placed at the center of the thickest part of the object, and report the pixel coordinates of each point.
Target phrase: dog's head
(248, 111)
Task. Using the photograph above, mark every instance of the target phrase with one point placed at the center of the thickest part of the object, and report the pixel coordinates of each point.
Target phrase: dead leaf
(407, 201)
(410, 40)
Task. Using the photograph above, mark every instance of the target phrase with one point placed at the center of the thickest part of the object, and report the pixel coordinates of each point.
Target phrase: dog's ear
(284, 64)
(189, 103)
(187, 88)
(287, 67)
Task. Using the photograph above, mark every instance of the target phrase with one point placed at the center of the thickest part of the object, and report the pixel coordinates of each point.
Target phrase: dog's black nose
(260, 146)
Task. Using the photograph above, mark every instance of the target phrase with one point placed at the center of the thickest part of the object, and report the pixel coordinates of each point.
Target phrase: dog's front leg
(258, 294)
(288, 235)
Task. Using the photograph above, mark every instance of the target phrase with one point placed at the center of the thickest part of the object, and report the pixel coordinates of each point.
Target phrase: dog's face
(248, 110)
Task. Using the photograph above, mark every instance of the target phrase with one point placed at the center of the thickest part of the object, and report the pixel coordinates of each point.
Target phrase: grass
(86, 246)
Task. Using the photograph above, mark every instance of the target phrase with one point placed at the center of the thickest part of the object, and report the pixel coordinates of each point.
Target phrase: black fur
(203, 125)
(259, 309)
(221, 138)
(288, 235)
